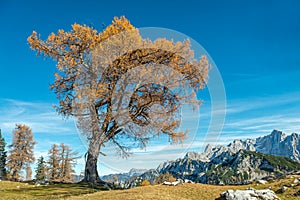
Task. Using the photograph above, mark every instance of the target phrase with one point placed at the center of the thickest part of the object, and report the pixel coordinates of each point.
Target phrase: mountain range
(239, 162)
(122, 177)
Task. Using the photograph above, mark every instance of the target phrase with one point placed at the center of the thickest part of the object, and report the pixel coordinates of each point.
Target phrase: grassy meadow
(13, 190)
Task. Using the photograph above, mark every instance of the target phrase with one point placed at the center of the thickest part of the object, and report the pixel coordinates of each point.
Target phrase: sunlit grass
(12, 190)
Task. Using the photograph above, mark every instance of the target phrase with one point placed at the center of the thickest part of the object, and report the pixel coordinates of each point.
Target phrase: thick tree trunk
(91, 175)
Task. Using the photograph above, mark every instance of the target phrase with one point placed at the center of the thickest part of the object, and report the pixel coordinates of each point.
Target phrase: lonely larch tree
(21, 152)
(120, 85)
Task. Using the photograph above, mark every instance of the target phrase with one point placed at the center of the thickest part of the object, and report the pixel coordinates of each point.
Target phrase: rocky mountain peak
(238, 162)
(136, 172)
(208, 148)
(192, 155)
(280, 144)
(278, 135)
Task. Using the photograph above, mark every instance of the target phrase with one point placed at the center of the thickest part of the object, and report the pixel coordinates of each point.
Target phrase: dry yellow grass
(11, 190)
(181, 192)
(189, 191)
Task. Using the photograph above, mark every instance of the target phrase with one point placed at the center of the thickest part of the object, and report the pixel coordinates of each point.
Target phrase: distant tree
(164, 177)
(90, 65)
(3, 174)
(145, 183)
(28, 173)
(67, 162)
(54, 163)
(41, 170)
(21, 151)
(61, 162)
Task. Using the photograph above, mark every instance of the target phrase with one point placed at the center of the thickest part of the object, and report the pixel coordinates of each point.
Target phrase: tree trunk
(91, 175)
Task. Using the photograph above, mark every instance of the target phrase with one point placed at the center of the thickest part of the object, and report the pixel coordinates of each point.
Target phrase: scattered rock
(267, 194)
(173, 183)
(262, 182)
(297, 173)
(249, 194)
(296, 180)
(167, 183)
(188, 181)
(283, 189)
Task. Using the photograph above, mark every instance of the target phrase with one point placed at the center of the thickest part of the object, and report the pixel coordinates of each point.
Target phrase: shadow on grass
(60, 190)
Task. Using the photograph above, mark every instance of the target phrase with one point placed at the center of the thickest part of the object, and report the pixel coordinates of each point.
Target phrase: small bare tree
(54, 163)
(68, 160)
(61, 162)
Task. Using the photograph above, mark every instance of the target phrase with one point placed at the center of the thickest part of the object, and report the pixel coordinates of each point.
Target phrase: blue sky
(254, 44)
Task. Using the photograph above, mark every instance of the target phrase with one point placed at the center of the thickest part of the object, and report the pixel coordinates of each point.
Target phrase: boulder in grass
(249, 194)
(283, 189)
(167, 183)
(179, 181)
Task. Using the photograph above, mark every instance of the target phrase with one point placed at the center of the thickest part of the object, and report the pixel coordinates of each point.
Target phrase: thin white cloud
(41, 117)
(242, 105)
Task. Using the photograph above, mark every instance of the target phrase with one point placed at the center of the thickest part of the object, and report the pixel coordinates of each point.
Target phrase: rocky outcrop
(186, 168)
(150, 175)
(228, 167)
(247, 166)
(249, 194)
(280, 144)
(277, 143)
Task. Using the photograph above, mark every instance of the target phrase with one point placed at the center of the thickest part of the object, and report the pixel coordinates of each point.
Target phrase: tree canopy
(118, 84)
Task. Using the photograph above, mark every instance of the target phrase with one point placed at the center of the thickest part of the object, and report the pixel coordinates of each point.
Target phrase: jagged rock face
(185, 168)
(197, 156)
(136, 172)
(277, 143)
(234, 163)
(231, 164)
(150, 175)
(240, 168)
(122, 177)
(280, 144)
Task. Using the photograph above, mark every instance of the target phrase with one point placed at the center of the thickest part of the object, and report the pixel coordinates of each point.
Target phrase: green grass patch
(17, 190)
